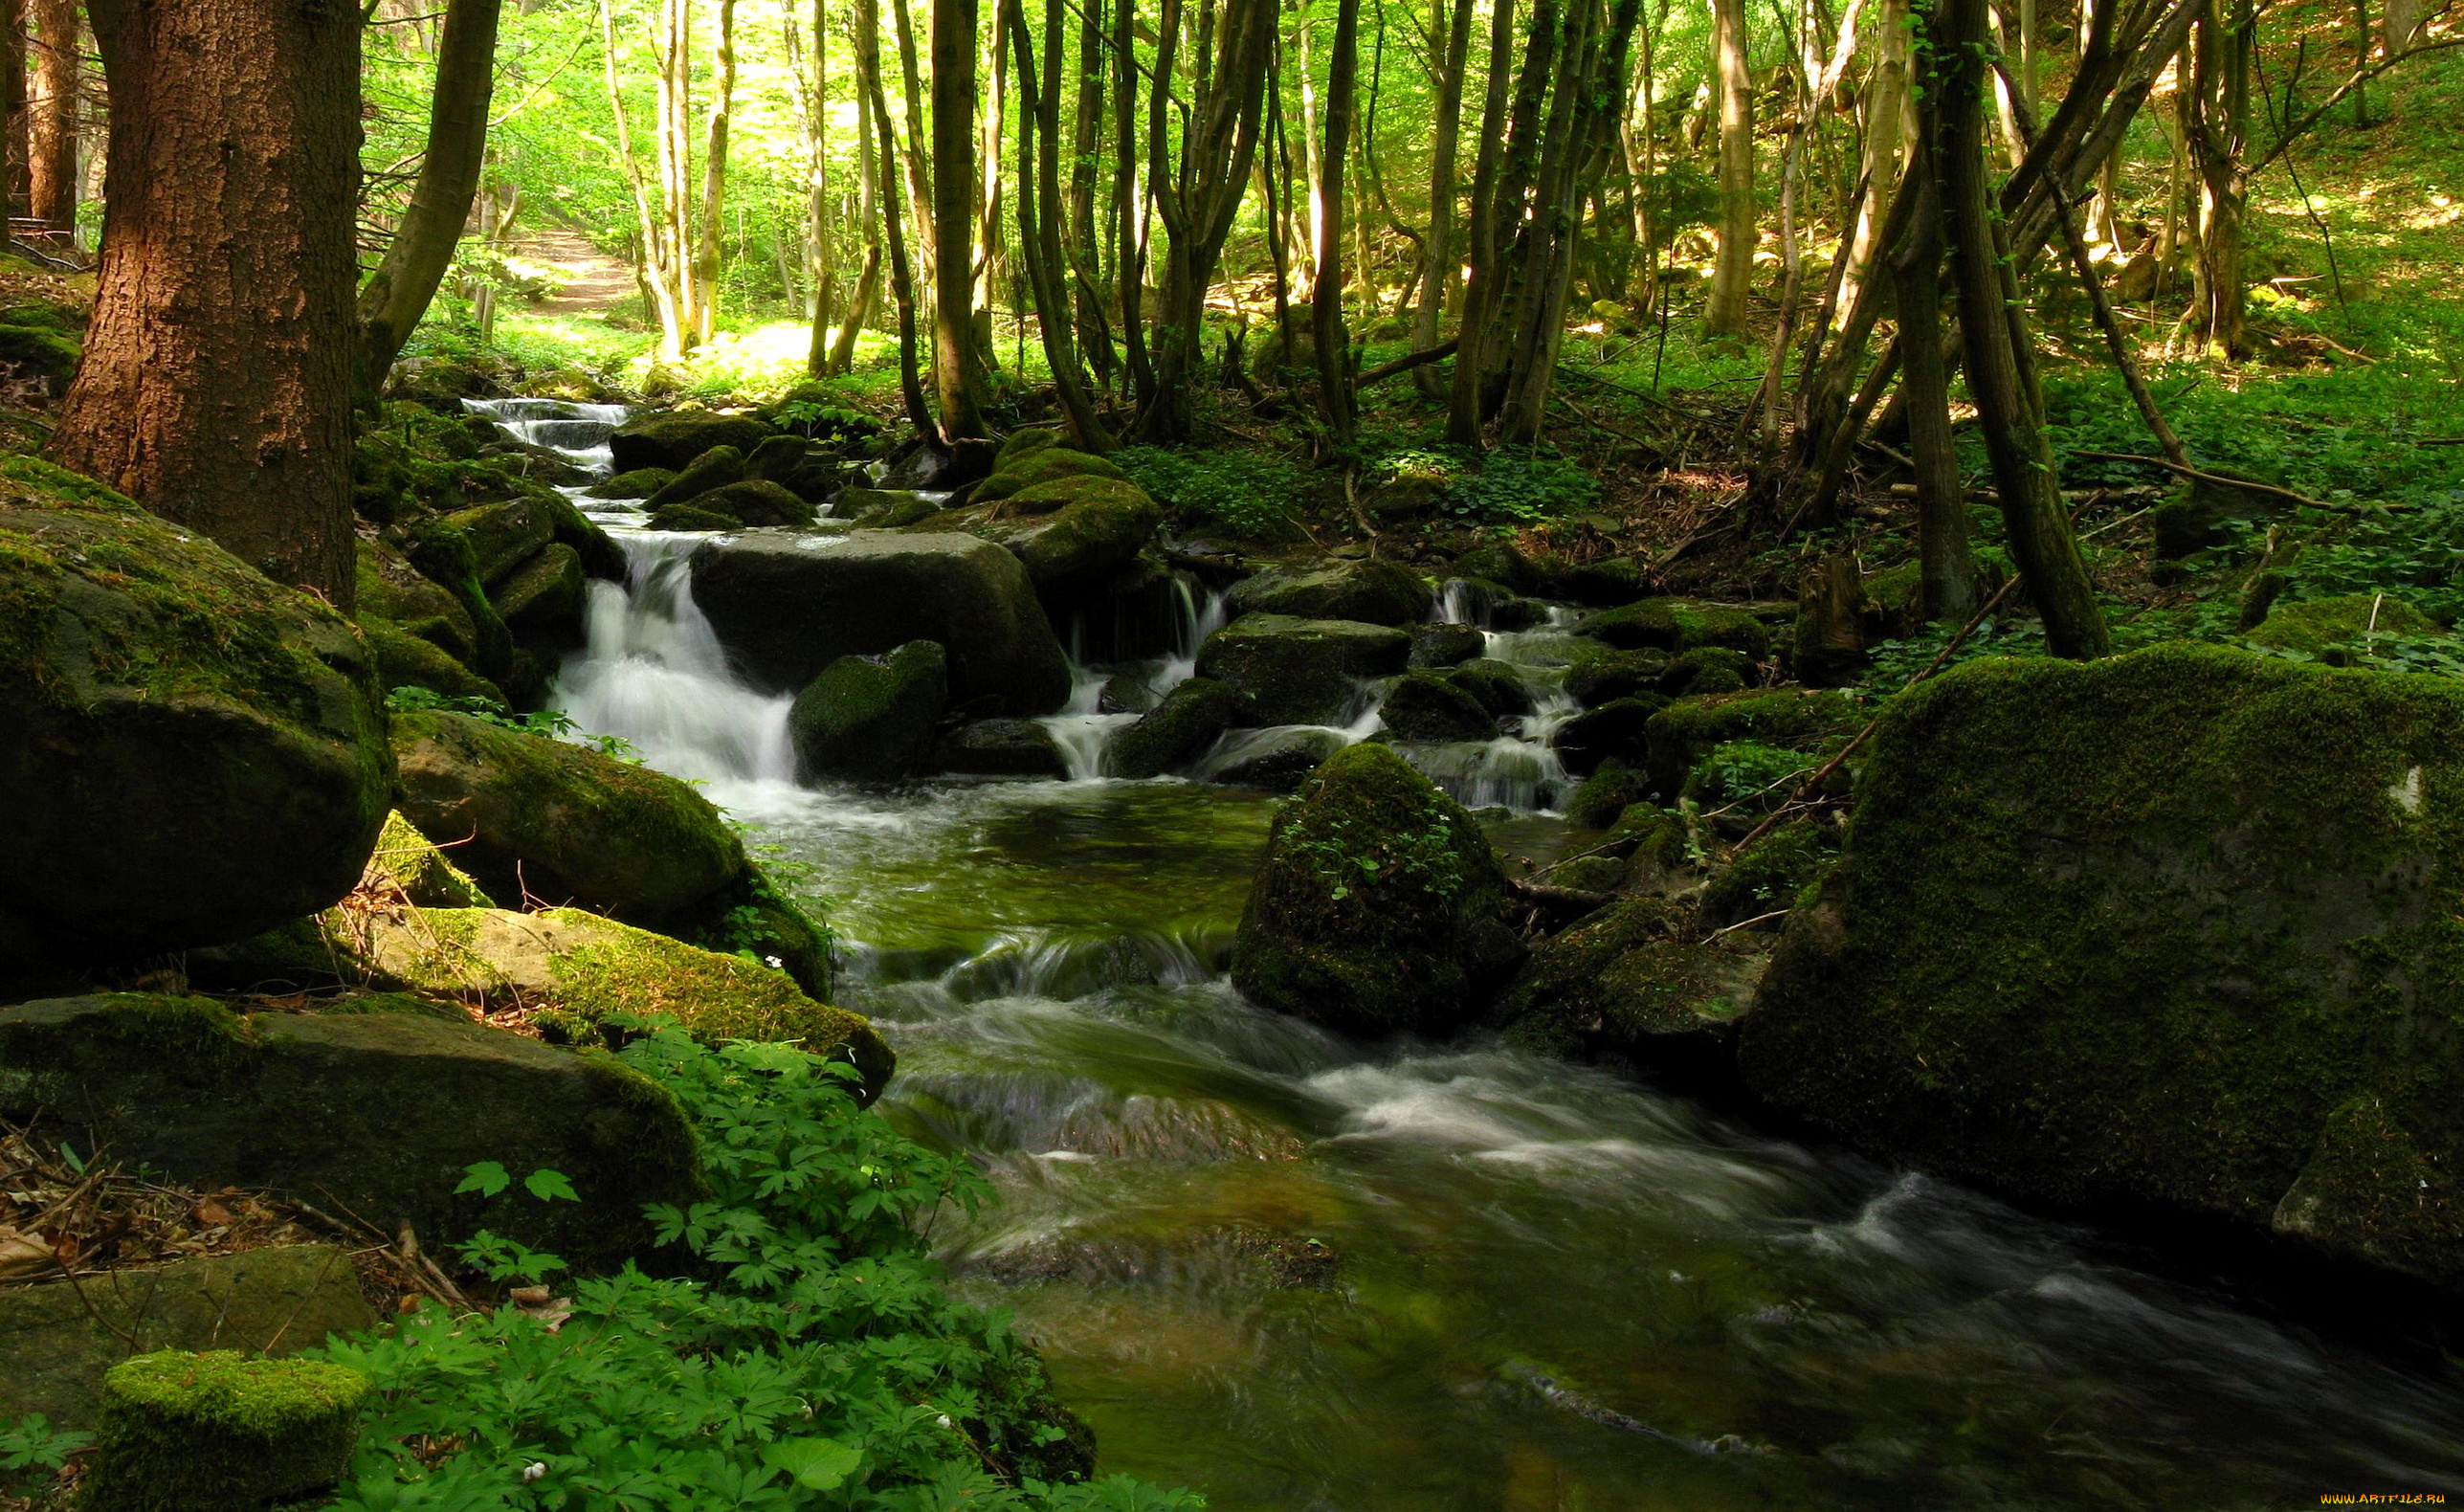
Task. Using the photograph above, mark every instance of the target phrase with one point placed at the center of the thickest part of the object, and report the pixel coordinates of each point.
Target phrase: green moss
(639, 483)
(1682, 625)
(1687, 730)
(1631, 982)
(220, 1432)
(406, 863)
(41, 351)
(2139, 928)
(2339, 629)
(404, 661)
(1604, 795)
(1023, 444)
(1707, 669)
(1649, 833)
(1765, 878)
(1041, 465)
(1749, 773)
(1424, 706)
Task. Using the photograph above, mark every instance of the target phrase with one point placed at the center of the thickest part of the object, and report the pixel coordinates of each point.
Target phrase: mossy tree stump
(214, 1432)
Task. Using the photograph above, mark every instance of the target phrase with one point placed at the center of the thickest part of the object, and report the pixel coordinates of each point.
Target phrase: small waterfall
(654, 674)
(1198, 620)
(1082, 729)
(578, 432)
(1519, 769)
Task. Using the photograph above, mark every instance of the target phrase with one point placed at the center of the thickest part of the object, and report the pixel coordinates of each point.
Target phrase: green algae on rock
(220, 1433)
(192, 753)
(871, 718)
(1635, 983)
(2183, 929)
(1679, 624)
(1177, 730)
(1379, 907)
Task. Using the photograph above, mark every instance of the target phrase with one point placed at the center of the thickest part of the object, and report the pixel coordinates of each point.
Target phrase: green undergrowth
(795, 1349)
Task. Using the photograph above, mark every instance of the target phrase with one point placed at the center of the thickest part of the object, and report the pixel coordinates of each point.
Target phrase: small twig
(1746, 924)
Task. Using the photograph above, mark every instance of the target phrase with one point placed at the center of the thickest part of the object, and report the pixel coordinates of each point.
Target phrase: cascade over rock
(1302, 671)
(2179, 929)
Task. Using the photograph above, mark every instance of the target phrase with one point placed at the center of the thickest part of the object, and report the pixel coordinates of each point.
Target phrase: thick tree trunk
(1438, 283)
(216, 385)
(1327, 293)
(714, 182)
(51, 118)
(954, 192)
(1732, 275)
(397, 295)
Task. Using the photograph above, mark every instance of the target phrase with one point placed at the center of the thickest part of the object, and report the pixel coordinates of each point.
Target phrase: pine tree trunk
(216, 385)
(1732, 275)
(51, 118)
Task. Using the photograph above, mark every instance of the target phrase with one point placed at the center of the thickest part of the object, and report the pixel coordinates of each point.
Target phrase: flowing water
(1302, 1273)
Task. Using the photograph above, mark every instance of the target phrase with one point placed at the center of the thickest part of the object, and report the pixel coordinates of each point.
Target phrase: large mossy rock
(1183, 726)
(1379, 907)
(1038, 465)
(1072, 533)
(2182, 930)
(1681, 624)
(530, 815)
(1302, 671)
(1424, 706)
(1635, 982)
(190, 752)
(378, 1105)
(788, 608)
(61, 1337)
(2341, 631)
(1374, 592)
(672, 438)
(1001, 748)
(715, 468)
(870, 719)
(393, 589)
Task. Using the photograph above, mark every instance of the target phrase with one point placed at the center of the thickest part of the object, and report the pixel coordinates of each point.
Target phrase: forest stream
(1298, 1272)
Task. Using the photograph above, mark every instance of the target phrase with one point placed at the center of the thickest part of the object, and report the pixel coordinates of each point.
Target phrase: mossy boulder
(42, 353)
(2182, 929)
(1001, 748)
(1604, 796)
(378, 1105)
(1765, 878)
(1635, 983)
(1618, 730)
(1687, 730)
(404, 660)
(788, 607)
(1178, 729)
(882, 508)
(870, 719)
(1072, 533)
(2341, 631)
(1596, 581)
(391, 589)
(1379, 907)
(1024, 443)
(1302, 671)
(191, 752)
(1707, 669)
(1373, 592)
(640, 484)
(759, 502)
(1681, 624)
(1437, 646)
(692, 517)
(715, 468)
(61, 1337)
(1496, 686)
(220, 1432)
(1618, 675)
(444, 555)
(671, 438)
(1424, 706)
(531, 816)
(1276, 760)
(1041, 464)
(504, 535)
(407, 864)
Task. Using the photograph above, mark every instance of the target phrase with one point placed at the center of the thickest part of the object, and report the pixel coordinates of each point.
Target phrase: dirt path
(587, 278)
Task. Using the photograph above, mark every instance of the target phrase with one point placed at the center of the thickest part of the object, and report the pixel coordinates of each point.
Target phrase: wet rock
(758, 503)
(1042, 464)
(1178, 730)
(542, 599)
(1373, 592)
(1618, 730)
(1498, 686)
(692, 517)
(1635, 983)
(870, 719)
(2173, 929)
(1072, 533)
(788, 608)
(378, 1105)
(1302, 671)
(1278, 760)
(1424, 706)
(1621, 675)
(1379, 907)
(61, 1337)
(1499, 562)
(191, 752)
(882, 508)
(672, 438)
(1679, 624)
(639, 483)
(1001, 748)
(715, 468)
(1685, 731)
(531, 816)
(1435, 646)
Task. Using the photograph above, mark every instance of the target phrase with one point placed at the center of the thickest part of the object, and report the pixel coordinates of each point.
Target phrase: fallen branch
(1558, 896)
(1407, 361)
(2245, 484)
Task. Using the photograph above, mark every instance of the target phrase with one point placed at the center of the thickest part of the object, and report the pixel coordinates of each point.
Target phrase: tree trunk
(1493, 208)
(397, 295)
(216, 385)
(1998, 354)
(954, 192)
(902, 285)
(51, 118)
(1039, 223)
(1946, 567)
(714, 182)
(2219, 132)
(1327, 293)
(675, 168)
(1886, 110)
(1437, 284)
(1733, 274)
(659, 264)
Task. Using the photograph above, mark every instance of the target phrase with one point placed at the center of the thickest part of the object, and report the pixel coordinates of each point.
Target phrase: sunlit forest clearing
(1104, 755)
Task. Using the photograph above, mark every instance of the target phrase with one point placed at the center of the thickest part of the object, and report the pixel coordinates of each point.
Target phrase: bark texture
(50, 117)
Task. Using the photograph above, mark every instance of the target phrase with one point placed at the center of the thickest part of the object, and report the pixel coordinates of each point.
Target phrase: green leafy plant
(1422, 857)
(32, 1451)
(1518, 485)
(553, 724)
(1247, 493)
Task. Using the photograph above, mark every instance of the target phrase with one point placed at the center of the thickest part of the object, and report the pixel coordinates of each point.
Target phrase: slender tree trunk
(1327, 293)
(1481, 240)
(1732, 275)
(1039, 223)
(1946, 567)
(1998, 354)
(902, 285)
(12, 100)
(2220, 117)
(911, 139)
(216, 385)
(1886, 110)
(397, 295)
(1085, 235)
(659, 262)
(674, 50)
(954, 190)
(1438, 284)
(714, 181)
(51, 117)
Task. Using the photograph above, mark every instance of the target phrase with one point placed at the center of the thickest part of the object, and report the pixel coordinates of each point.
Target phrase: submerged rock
(788, 608)
(871, 718)
(1178, 730)
(191, 752)
(1001, 748)
(1379, 907)
(1302, 671)
(2179, 929)
(1373, 592)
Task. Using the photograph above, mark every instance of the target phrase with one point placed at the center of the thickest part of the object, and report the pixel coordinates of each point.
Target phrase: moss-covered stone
(639, 483)
(379, 1109)
(1378, 909)
(1437, 646)
(41, 353)
(1604, 795)
(408, 865)
(1424, 706)
(692, 517)
(1181, 727)
(190, 753)
(1373, 592)
(220, 1432)
(1001, 748)
(758, 503)
(882, 508)
(504, 535)
(61, 1337)
(1496, 686)
(1608, 580)
(1635, 982)
(1072, 532)
(1618, 675)
(1274, 760)
(1614, 731)
(1707, 669)
(530, 816)
(1302, 671)
(1041, 464)
(1685, 731)
(404, 660)
(870, 719)
(1023, 443)
(715, 468)
(444, 555)
(542, 599)
(1652, 838)
(1765, 878)
(393, 589)
(2340, 630)
(671, 438)
(1679, 624)
(2179, 929)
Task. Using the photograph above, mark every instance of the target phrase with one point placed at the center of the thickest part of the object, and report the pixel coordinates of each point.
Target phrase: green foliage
(1247, 493)
(552, 723)
(1423, 857)
(806, 1357)
(32, 1451)
(1740, 770)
